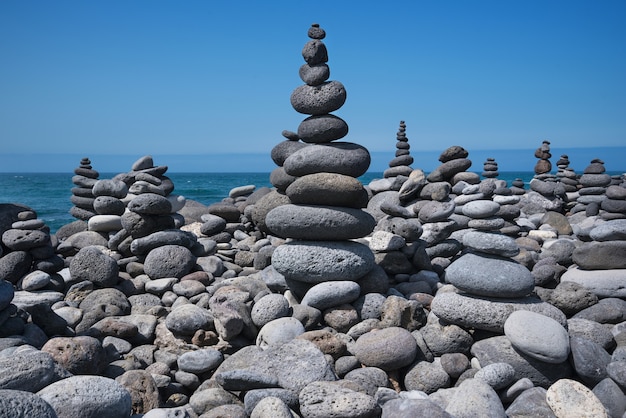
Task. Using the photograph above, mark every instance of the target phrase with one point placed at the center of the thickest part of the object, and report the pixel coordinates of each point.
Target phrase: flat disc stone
(319, 222)
(338, 157)
(319, 261)
(490, 276)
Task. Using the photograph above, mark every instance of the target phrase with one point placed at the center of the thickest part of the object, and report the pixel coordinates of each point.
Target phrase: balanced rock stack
(518, 186)
(566, 175)
(109, 205)
(325, 213)
(82, 197)
(593, 186)
(546, 193)
(486, 287)
(453, 167)
(490, 169)
(401, 164)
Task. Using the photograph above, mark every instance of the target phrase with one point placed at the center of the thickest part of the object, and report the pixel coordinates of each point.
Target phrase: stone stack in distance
(324, 214)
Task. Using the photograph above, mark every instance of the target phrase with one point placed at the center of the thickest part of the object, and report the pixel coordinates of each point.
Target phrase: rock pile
(82, 196)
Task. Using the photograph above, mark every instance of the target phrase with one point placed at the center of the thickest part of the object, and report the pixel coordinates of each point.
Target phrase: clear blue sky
(212, 77)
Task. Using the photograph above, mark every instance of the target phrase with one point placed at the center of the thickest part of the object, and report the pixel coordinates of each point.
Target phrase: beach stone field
(441, 294)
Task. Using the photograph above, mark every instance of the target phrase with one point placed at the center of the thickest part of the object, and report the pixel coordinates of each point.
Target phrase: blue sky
(210, 78)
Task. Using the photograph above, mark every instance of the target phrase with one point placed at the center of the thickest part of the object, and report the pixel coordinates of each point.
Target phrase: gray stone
(491, 243)
(23, 239)
(19, 403)
(326, 399)
(314, 75)
(142, 388)
(254, 396)
(337, 157)
(475, 398)
(499, 350)
(496, 375)
(600, 255)
(203, 401)
(77, 355)
(28, 371)
(322, 129)
(330, 294)
(479, 209)
(187, 319)
(611, 396)
(591, 330)
(433, 211)
(426, 377)
(268, 308)
(99, 396)
(409, 408)
(243, 379)
(271, 406)
(169, 261)
(91, 264)
(110, 187)
(150, 204)
(200, 361)
(314, 222)
(279, 331)
(6, 294)
(490, 276)
(143, 245)
(318, 100)
(607, 311)
(369, 378)
(530, 403)
(327, 189)
(317, 261)
(442, 337)
(601, 283)
(538, 336)
(15, 265)
(589, 360)
(388, 348)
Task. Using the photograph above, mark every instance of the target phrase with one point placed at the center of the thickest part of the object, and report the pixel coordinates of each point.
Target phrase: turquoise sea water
(49, 193)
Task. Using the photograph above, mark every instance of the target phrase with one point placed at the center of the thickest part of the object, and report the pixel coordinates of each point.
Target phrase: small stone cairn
(593, 186)
(82, 197)
(324, 215)
(546, 193)
(401, 164)
(490, 168)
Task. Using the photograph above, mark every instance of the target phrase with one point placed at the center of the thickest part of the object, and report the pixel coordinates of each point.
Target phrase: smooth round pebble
(538, 336)
(388, 348)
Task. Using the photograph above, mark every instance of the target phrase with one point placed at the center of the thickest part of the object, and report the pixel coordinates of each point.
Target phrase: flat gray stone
(27, 371)
(345, 158)
(538, 336)
(318, 100)
(330, 294)
(491, 243)
(315, 222)
(603, 255)
(488, 314)
(318, 261)
(603, 283)
(490, 276)
(479, 209)
(187, 319)
(328, 189)
(200, 361)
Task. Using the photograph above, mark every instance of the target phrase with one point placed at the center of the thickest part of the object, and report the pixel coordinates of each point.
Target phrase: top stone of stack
(318, 97)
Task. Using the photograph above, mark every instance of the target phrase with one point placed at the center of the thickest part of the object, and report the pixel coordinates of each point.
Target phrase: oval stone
(330, 294)
(480, 208)
(318, 100)
(319, 222)
(388, 348)
(110, 187)
(538, 336)
(327, 189)
(497, 244)
(337, 157)
(150, 204)
(322, 129)
(569, 398)
(490, 276)
(318, 261)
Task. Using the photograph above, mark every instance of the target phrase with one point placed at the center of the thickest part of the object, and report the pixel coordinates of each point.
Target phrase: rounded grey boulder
(345, 158)
(169, 261)
(318, 100)
(95, 266)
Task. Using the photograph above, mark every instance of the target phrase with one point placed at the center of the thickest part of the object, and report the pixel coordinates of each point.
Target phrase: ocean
(49, 193)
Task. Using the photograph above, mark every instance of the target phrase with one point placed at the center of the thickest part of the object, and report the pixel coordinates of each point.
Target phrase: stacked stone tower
(401, 164)
(324, 214)
(82, 196)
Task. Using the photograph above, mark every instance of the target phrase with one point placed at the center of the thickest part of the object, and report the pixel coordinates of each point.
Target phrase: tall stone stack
(82, 198)
(546, 193)
(401, 164)
(543, 166)
(324, 215)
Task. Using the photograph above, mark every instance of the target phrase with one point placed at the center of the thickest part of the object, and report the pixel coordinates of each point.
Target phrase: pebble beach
(442, 294)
